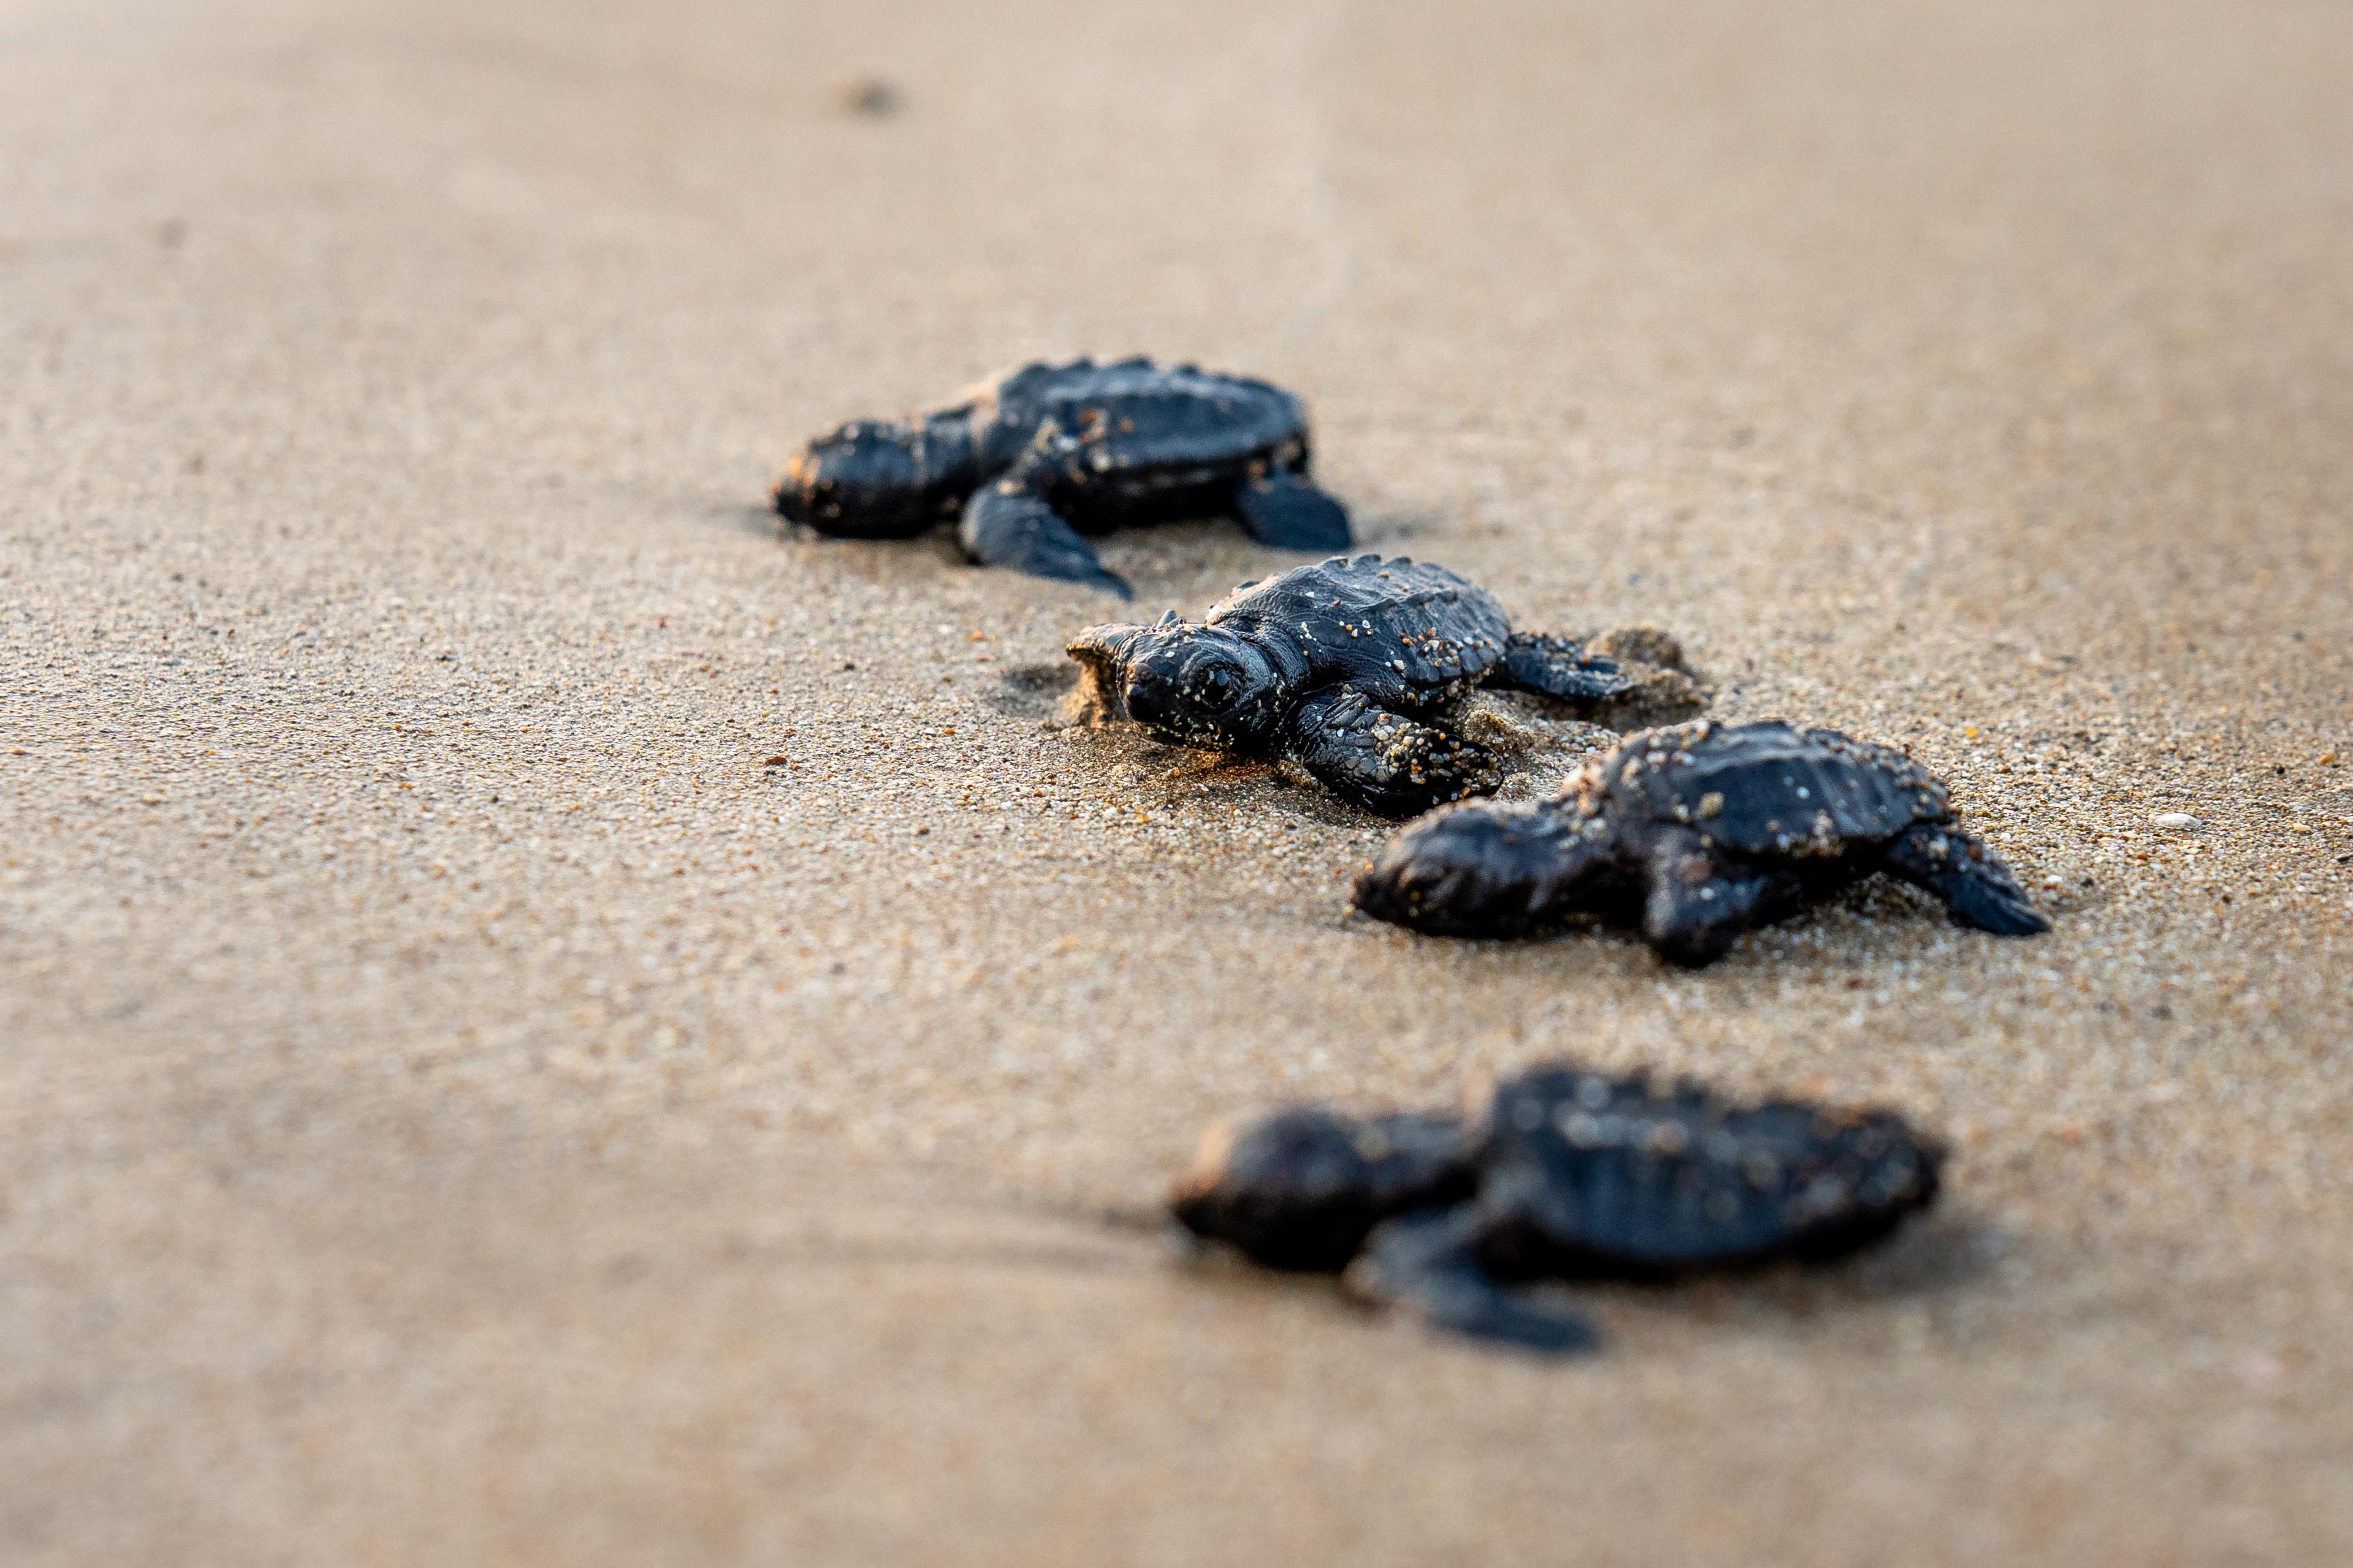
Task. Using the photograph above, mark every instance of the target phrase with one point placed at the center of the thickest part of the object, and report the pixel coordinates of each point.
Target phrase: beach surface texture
(542, 1022)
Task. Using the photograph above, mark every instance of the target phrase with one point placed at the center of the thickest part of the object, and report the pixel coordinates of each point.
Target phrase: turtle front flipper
(1970, 878)
(1558, 667)
(1428, 1263)
(1700, 903)
(1286, 511)
(1384, 761)
(1010, 522)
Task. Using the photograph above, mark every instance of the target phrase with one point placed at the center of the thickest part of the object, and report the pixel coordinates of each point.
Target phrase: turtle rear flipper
(1958, 867)
(1426, 1263)
(1557, 666)
(1010, 523)
(1286, 511)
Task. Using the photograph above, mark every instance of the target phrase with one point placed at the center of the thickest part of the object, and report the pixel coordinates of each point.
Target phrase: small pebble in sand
(868, 97)
(2176, 822)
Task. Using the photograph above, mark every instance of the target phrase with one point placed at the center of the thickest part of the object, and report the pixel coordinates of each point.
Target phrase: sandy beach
(462, 1102)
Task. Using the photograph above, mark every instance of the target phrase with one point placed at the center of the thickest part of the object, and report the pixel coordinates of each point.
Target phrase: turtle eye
(1219, 687)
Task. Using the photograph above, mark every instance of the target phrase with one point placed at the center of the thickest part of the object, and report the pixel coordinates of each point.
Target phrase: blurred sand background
(459, 1105)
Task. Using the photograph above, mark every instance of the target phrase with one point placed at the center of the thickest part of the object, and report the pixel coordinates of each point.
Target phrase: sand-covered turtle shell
(1385, 624)
(1763, 789)
(1583, 1173)
(1135, 415)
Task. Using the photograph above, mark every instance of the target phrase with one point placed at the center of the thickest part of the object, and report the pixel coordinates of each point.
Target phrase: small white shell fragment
(2176, 822)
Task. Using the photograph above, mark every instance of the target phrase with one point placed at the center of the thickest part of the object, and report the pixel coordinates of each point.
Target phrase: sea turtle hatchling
(1351, 669)
(1562, 1173)
(1033, 459)
(1698, 832)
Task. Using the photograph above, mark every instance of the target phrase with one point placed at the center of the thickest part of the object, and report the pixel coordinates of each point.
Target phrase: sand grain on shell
(465, 1103)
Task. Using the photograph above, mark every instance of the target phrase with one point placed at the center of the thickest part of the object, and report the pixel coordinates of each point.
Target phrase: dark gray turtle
(1033, 459)
(1348, 669)
(1698, 832)
(1562, 1174)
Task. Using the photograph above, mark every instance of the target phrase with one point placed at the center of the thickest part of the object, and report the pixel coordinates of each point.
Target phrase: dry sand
(461, 1107)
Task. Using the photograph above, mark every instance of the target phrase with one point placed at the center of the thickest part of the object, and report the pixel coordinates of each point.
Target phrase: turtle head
(1302, 1188)
(1489, 869)
(875, 476)
(1190, 685)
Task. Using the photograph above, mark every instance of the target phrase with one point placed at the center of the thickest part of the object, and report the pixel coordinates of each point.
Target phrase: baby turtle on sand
(1348, 669)
(1031, 459)
(1563, 1174)
(1698, 832)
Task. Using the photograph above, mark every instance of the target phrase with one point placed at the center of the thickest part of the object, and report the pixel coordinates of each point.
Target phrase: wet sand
(463, 1103)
